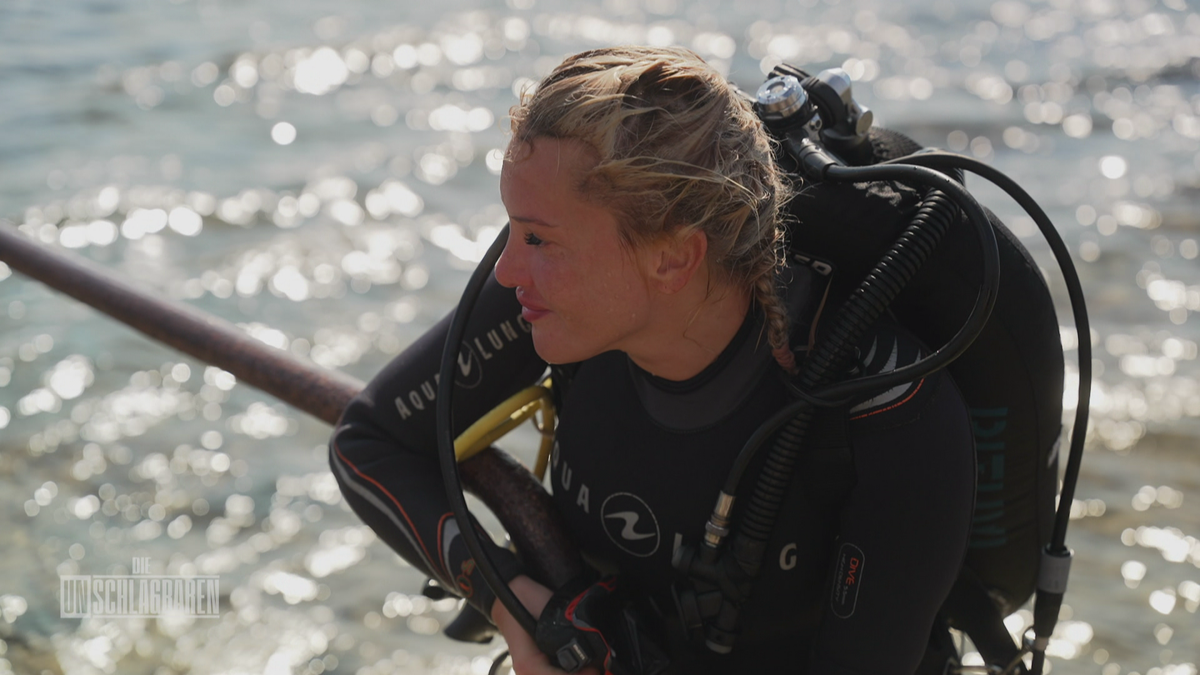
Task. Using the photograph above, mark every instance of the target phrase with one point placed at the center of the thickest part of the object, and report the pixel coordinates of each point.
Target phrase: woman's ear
(679, 256)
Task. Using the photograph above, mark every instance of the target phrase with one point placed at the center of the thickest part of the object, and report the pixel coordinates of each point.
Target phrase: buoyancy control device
(904, 239)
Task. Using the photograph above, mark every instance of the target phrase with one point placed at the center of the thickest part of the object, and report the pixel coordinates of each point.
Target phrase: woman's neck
(690, 330)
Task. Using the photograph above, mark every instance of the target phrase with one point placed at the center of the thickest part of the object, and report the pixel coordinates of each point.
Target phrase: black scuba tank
(1011, 377)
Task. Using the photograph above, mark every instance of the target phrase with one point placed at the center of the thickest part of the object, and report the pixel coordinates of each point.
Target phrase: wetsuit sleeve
(903, 533)
(384, 451)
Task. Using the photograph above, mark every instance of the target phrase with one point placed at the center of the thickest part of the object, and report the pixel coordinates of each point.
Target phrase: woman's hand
(526, 657)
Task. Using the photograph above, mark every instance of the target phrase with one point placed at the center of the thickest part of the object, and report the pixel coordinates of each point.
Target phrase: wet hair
(679, 147)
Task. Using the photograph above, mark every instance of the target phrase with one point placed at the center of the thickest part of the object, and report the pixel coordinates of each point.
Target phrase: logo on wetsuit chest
(630, 524)
(847, 579)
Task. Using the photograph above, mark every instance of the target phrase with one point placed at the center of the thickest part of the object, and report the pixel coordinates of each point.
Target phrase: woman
(647, 251)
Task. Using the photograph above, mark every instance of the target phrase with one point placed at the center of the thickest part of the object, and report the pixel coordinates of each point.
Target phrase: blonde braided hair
(679, 147)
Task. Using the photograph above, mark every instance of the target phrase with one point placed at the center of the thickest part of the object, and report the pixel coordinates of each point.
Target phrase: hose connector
(717, 527)
(1052, 584)
(814, 160)
(1053, 571)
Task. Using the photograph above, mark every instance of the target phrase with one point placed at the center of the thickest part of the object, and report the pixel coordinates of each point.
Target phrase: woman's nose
(511, 267)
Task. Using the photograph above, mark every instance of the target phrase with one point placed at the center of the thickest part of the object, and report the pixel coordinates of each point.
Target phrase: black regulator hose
(1056, 559)
(985, 298)
(860, 312)
(937, 213)
(945, 160)
(881, 286)
(445, 437)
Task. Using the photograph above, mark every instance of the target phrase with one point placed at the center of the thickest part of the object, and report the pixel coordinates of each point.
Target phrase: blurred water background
(324, 175)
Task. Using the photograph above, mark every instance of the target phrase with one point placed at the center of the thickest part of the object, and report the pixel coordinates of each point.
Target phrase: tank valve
(784, 102)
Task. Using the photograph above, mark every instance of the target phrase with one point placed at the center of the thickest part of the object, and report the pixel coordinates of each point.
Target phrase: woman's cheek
(553, 280)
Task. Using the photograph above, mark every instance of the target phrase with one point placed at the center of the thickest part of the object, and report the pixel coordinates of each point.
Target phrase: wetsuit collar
(707, 398)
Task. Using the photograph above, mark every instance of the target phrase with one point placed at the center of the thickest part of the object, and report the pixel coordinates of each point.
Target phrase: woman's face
(580, 286)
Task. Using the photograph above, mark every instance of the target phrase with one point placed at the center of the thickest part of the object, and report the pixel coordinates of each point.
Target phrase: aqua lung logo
(630, 524)
(470, 368)
(471, 358)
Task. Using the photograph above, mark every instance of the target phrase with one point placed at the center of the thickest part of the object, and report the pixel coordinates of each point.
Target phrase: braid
(775, 315)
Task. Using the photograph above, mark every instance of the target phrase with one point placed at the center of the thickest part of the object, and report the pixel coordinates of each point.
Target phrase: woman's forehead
(543, 162)
(571, 154)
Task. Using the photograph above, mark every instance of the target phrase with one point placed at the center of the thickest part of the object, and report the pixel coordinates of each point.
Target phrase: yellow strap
(509, 415)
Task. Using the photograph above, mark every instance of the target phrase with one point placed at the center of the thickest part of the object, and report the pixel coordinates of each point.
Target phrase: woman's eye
(532, 239)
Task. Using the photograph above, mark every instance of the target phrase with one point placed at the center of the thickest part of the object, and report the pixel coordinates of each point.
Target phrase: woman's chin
(554, 347)
(550, 351)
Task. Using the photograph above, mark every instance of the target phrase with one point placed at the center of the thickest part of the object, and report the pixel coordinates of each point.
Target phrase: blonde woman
(645, 264)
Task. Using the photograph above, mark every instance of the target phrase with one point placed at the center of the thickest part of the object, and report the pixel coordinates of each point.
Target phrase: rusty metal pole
(509, 490)
(320, 393)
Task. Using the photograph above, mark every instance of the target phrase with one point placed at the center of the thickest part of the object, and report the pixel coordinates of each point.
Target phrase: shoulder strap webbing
(971, 610)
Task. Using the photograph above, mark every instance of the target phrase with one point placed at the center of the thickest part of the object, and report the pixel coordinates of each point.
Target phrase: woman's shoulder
(888, 347)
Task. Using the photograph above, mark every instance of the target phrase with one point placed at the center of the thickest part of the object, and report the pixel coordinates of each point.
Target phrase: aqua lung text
(470, 365)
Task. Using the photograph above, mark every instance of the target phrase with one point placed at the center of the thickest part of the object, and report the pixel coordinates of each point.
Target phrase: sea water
(324, 175)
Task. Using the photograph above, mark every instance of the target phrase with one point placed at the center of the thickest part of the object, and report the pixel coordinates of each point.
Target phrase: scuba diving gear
(1055, 557)
(830, 115)
(1013, 521)
(833, 133)
(733, 571)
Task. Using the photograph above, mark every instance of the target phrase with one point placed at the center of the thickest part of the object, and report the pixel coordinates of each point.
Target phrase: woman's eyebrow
(535, 221)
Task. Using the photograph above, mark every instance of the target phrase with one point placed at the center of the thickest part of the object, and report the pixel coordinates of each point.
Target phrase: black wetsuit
(870, 538)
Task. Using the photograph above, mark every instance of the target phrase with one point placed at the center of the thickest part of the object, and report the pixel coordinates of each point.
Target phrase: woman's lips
(532, 315)
(530, 311)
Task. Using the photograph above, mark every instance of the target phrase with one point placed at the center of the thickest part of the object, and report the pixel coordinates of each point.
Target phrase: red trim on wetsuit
(416, 535)
(441, 549)
(895, 405)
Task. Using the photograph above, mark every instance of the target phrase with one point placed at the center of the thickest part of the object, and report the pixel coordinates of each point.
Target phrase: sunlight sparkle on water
(1133, 571)
(289, 282)
(1113, 166)
(260, 421)
(436, 167)
(1163, 601)
(453, 118)
(462, 50)
(320, 73)
(185, 221)
(272, 337)
(450, 237)
(70, 377)
(346, 211)
(283, 133)
(141, 222)
(205, 73)
(1174, 545)
(1069, 639)
(293, 587)
(79, 235)
(332, 555)
(393, 197)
